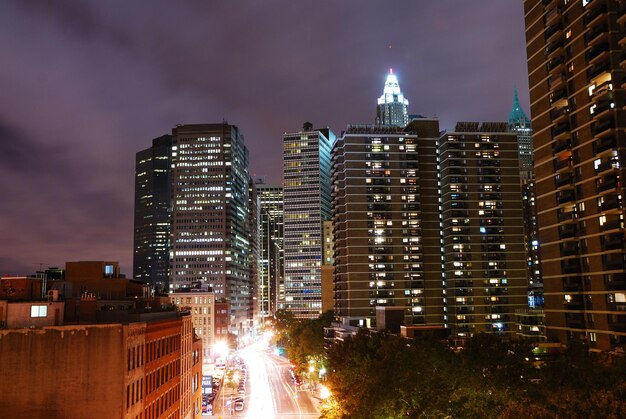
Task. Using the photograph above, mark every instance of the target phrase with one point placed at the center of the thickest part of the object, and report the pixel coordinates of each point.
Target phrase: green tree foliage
(384, 376)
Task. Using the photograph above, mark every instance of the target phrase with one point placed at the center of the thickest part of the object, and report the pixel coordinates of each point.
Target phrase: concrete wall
(19, 314)
(62, 372)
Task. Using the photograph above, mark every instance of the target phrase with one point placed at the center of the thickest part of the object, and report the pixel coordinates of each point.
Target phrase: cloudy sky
(84, 85)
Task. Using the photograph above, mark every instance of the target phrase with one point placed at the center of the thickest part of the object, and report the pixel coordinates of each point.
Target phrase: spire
(392, 106)
(517, 114)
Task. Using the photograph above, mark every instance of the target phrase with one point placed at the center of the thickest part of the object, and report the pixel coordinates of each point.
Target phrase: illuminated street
(271, 392)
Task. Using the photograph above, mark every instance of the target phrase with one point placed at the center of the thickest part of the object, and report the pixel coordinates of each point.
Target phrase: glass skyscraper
(306, 166)
(152, 213)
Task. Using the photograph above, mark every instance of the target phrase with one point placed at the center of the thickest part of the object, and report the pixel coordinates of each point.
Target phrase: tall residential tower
(576, 71)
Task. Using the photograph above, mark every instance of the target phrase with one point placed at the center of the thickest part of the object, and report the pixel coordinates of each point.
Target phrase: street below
(271, 392)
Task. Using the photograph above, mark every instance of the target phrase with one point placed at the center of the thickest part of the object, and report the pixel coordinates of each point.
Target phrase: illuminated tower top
(392, 105)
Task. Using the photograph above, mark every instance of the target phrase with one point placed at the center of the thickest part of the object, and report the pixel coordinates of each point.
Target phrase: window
(39, 311)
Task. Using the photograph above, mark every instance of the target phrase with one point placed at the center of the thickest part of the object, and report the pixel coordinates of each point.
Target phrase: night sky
(84, 85)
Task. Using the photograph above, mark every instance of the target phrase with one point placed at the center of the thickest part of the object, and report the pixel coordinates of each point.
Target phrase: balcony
(604, 144)
(570, 248)
(603, 126)
(613, 262)
(552, 32)
(610, 164)
(559, 115)
(557, 95)
(615, 281)
(597, 52)
(612, 241)
(563, 179)
(559, 165)
(611, 225)
(488, 163)
(572, 284)
(595, 15)
(561, 145)
(567, 230)
(610, 202)
(602, 108)
(552, 16)
(570, 266)
(556, 65)
(596, 34)
(563, 197)
(607, 183)
(603, 91)
(488, 171)
(599, 68)
(621, 14)
(566, 216)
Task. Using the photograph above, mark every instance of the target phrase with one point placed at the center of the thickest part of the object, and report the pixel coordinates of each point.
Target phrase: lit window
(38, 311)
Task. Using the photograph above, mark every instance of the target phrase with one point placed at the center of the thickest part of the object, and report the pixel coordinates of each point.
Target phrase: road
(271, 392)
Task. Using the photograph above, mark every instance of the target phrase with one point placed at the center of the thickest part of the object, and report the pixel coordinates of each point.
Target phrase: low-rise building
(123, 370)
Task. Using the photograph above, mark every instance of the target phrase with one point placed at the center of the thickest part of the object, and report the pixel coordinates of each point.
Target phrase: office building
(519, 123)
(306, 158)
(153, 196)
(211, 237)
(392, 106)
(270, 247)
(483, 238)
(386, 224)
(576, 66)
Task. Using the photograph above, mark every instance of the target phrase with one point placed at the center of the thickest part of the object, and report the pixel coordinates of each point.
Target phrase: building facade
(378, 222)
(483, 238)
(271, 285)
(392, 106)
(211, 237)
(306, 159)
(519, 123)
(149, 370)
(153, 194)
(576, 66)
(201, 306)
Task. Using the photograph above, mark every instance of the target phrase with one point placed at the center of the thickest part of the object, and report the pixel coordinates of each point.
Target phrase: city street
(271, 392)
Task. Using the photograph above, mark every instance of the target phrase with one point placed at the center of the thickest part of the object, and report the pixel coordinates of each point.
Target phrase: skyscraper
(483, 242)
(271, 246)
(392, 106)
(306, 156)
(211, 237)
(576, 65)
(519, 123)
(384, 199)
(152, 213)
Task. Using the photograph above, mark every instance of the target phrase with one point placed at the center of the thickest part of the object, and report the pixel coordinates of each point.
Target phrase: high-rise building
(386, 224)
(576, 66)
(392, 106)
(306, 156)
(482, 241)
(211, 237)
(519, 123)
(271, 246)
(153, 196)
